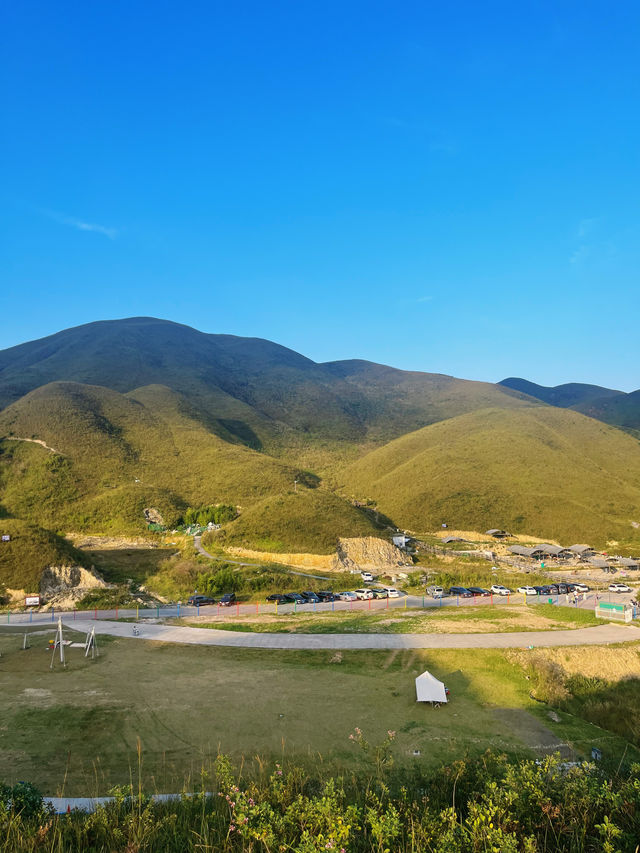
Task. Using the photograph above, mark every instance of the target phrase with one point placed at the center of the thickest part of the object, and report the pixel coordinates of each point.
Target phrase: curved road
(597, 636)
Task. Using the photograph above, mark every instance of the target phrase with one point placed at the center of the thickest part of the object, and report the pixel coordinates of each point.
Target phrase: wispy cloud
(79, 224)
(587, 226)
(579, 255)
(424, 299)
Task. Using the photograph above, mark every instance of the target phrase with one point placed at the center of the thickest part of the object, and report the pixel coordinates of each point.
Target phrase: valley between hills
(102, 422)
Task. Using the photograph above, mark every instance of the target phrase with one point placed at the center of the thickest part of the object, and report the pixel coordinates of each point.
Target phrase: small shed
(628, 563)
(598, 562)
(401, 541)
(429, 689)
(497, 534)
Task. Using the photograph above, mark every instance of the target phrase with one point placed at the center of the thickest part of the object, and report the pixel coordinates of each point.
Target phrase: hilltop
(103, 421)
(613, 407)
(534, 469)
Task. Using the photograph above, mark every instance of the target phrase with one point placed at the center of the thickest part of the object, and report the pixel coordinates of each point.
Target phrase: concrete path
(597, 636)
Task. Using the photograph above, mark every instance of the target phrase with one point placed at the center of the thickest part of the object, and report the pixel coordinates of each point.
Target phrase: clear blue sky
(449, 187)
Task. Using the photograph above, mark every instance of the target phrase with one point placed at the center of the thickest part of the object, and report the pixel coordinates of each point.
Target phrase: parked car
(380, 593)
(391, 591)
(498, 589)
(563, 589)
(228, 599)
(328, 595)
(367, 577)
(435, 591)
(527, 590)
(311, 597)
(542, 590)
(478, 590)
(278, 597)
(553, 589)
(619, 587)
(295, 598)
(581, 587)
(460, 592)
(349, 595)
(199, 600)
(364, 594)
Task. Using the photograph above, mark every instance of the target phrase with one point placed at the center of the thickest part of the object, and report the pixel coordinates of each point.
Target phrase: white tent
(429, 689)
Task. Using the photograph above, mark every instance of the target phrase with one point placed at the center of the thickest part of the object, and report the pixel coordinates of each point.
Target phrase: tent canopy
(429, 689)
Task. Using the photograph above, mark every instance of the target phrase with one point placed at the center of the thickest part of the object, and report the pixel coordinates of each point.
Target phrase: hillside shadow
(119, 565)
(241, 431)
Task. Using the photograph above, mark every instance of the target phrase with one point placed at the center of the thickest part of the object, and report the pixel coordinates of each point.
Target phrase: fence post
(95, 612)
(31, 616)
(276, 606)
(405, 602)
(116, 612)
(74, 614)
(387, 601)
(52, 611)
(457, 601)
(295, 606)
(369, 604)
(158, 611)
(8, 616)
(137, 610)
(257, 608)
(333, 604)
(237, 608)
(178, 609)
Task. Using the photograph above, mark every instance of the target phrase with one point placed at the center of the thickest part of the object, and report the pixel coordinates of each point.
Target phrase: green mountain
(102, 421)
(604, 404)
(541, 470)
(571, 394)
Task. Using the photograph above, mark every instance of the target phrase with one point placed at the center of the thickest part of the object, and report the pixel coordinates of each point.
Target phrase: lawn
(458, 620)
(78, 728)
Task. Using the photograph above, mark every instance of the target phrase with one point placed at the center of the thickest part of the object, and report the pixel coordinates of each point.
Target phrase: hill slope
(539, 470)
(263, 393)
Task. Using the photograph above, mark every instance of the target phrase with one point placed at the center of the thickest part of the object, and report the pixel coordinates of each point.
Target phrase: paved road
(597, 636)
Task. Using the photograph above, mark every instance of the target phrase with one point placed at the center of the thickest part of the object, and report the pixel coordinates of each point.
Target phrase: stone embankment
(64, 586)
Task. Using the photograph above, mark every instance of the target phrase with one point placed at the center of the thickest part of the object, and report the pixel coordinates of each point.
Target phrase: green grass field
(78, 729)
(473, 619)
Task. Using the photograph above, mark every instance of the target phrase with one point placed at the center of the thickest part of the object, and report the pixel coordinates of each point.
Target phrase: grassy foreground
(78, 729)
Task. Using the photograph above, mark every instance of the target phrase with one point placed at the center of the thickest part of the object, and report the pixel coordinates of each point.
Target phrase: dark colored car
(543, 590)
(553, 589)
(228, 599)
(199, 600)
(278, 597)
(563, 589)
(461, 592)
(295, 598)
(478, 590)
(326, 595)
(311, 597)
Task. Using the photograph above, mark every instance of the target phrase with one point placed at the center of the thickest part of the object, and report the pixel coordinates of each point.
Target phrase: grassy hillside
(30, 550)
(306, 521)
(117, 454)
(258, 391)
(540, 470)
(571, 394)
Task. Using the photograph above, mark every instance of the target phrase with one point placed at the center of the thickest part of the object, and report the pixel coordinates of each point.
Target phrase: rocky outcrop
(63, 586)
(153, 515)
(370, 554)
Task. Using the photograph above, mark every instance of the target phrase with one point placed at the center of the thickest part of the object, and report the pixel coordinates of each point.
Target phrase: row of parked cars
(499, 589)
(310, 597)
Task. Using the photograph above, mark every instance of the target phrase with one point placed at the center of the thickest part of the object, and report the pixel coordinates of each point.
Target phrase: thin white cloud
(80, 224)
(587, 226)
(580, 255)
(424, 299)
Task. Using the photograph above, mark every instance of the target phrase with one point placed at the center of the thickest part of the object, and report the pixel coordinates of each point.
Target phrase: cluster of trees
(203, 515)
(490, 805)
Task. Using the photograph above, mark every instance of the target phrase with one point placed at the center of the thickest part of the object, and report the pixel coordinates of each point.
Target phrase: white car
(581, 587)
(391, 591)
(527, 590)
(364, 594)
(619, 587)
(498, 589)
(367, 577)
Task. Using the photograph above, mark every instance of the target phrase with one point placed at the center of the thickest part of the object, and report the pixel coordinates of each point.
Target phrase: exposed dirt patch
(532, 732)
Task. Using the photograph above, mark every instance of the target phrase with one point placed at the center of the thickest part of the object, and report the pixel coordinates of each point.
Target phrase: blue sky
(449, 187)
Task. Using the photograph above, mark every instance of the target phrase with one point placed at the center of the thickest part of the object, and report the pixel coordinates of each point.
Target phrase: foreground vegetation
(488, 804)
